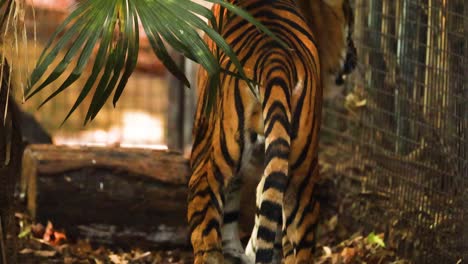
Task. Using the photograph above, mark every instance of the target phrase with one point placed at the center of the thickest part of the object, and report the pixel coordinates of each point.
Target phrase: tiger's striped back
(285, 108)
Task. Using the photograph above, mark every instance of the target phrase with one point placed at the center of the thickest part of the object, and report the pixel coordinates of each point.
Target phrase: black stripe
(264, 255)
(230, 217)
(305, 150)
(196, 161)
(276, 105)
(278, 143)
(212, 224)
(202, 138)
(219, 176)
(199, 181)
(280, 119)
(266, 234)
(279, 148)
(273, 80)
(287, 66)
(309, 208)
(307, 244)
(243, 46)
(268, 50)
(199, 252)
(253, 136)
(277, 82)
(271, 210)
(298, 111)
(224, 150)
(294, 42)
(302, 187)
(276, 153)
(276, 180)
(284, 23)
(197, 218)
(199, 193)
(241, 121)
(288, 253)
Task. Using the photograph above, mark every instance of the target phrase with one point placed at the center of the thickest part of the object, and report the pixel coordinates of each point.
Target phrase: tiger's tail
(276, 109)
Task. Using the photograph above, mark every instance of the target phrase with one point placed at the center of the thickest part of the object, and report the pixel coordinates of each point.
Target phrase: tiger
(283, 113)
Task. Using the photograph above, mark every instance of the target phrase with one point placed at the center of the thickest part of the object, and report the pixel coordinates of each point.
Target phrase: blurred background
(141, 117)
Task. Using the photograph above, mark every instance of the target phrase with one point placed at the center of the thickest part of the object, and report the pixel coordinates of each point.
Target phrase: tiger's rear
(285, 108)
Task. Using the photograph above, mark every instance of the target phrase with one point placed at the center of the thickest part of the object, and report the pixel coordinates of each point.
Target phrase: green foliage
(25, 233)
(113, 27)
(372, 238)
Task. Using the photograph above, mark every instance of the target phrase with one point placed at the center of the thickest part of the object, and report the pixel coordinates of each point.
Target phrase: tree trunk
(10, 162)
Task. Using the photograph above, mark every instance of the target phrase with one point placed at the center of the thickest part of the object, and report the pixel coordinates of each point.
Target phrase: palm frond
(114, 27)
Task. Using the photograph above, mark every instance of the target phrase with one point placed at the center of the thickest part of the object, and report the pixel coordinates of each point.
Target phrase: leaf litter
(339, 240)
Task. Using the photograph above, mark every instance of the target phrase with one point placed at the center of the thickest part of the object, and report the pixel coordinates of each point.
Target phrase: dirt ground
(339, 240)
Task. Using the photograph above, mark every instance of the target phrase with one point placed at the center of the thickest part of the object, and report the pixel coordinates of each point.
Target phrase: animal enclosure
(403, 126)
(395, 140)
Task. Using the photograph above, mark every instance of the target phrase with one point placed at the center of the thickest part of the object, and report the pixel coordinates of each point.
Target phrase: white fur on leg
(249, 250)
(232, 247)
(251, 246)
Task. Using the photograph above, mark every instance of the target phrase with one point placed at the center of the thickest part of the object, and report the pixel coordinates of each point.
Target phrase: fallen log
(118, 186)
(115, 195)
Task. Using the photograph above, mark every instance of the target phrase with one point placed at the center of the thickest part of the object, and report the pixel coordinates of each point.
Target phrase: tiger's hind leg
(276, 114)
(302, 211)
(288, 250)
(214, 170)
(204, 214)
(252, 245)
(232, 248)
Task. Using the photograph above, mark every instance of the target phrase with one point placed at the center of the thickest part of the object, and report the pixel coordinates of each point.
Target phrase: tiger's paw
(289, 260)
(231, 259)
(212, 257)
(233, 256)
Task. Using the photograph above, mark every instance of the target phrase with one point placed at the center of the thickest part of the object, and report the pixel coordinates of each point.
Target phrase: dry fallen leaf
(117, 259)
(26, 251)
(327, 251)
(336, 259)
(52, 236)
(38, 230)
(141, 256)
(348, 254)
(332, 223)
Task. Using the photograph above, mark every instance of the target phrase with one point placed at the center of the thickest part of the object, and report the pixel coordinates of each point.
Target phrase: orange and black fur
(285, 109)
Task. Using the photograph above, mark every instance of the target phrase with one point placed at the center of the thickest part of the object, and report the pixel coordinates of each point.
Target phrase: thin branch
(2, 243)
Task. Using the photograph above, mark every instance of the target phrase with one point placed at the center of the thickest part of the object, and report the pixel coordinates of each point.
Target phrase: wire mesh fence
(404, 122)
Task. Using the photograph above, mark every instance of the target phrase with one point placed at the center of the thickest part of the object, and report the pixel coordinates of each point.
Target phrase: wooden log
(116, 186)
(118, 196)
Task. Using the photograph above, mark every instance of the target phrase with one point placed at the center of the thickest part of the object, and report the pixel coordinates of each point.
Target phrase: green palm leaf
(113, 26)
